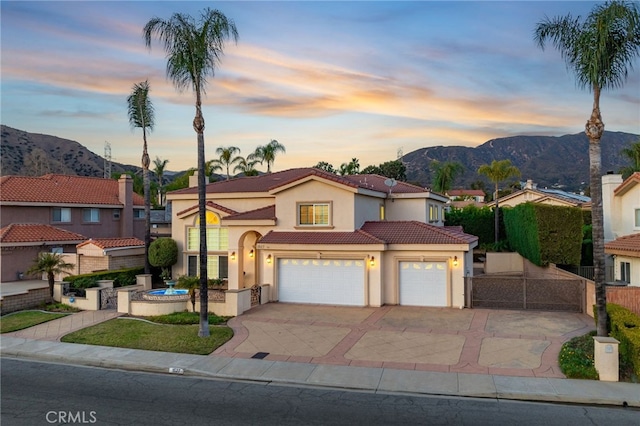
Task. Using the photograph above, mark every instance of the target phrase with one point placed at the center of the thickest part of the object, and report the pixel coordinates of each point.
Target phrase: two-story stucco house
(56, 212)
(316, 237)
(621, 207)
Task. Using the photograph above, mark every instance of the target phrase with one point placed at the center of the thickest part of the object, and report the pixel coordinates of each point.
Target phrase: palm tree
(633, 154)
(50, 264)
(246, 166)
(267, 153)
(445, 174)
(210, 167)
(159, 171)
(350, 168)
(194, 50)
(601, 51)
(227, 157)
(141, 115)
(497, 172)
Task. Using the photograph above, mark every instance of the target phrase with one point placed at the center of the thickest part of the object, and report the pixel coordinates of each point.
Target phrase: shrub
(624, 326)
(80, 285)
(163, 253)
(120, 277)
(476, 221)
(576, 358)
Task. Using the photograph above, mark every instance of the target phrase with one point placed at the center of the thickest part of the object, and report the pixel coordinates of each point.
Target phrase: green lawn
(134, 334)
(19, 320)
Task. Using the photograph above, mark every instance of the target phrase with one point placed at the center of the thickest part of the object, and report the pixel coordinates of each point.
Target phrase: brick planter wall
(29, 300)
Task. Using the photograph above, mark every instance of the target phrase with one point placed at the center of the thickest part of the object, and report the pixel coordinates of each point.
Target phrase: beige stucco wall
(635, 269)
(627, 203)
(503, 263)
(366, 209)
(407, 209)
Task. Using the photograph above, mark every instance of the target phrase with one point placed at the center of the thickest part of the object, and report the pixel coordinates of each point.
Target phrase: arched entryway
(248, 274)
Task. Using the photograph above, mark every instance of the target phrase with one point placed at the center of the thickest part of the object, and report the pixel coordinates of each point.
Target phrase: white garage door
(423, 283)
(323, 281)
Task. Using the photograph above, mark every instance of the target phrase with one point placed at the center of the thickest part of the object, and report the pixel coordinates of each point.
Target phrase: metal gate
(109, 298)
(527, 293)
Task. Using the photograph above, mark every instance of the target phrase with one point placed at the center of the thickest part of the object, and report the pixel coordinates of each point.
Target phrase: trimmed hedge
(545, 234)
(120, 277)
(624, 326)
(476, 221)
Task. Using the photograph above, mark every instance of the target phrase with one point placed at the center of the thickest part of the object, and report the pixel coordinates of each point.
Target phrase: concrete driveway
(480, 341)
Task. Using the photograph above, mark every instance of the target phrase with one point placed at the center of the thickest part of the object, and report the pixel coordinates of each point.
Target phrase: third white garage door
(323, 281)
(423, 283)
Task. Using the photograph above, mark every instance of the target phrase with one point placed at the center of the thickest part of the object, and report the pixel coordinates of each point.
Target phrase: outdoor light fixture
(251, 253)
(269, 259)
(233, 255)
(372, 261)
(455, 261)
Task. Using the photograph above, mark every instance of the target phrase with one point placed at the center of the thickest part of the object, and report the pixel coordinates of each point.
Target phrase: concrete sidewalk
(47, 347)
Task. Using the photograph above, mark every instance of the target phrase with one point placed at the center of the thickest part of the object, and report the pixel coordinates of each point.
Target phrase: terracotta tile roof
(37, 233)
(629, 183)
(461, 192)
(107, 243)
(319, 237)
(62, 189)
(413, 232)
(270, 181)
(629, 245)
(268, 212)
(208, 204)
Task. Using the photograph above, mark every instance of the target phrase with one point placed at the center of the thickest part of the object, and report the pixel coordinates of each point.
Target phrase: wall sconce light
(233, 255)
(269, 259)
(251, 253)
(455, 261)
(372, 261)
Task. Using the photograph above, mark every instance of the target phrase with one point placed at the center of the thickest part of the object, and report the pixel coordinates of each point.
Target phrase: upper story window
(381, 211)
(434, 213)
(637, 224)
(91, 215)
(62, 214)
(138, 214)
(625, 272)
(217, 239)
(313, 214)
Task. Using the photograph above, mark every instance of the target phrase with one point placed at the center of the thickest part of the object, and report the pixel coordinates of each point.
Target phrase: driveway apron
(479, 341)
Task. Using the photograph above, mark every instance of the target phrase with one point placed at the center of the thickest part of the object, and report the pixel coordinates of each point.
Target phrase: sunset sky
(328, 80)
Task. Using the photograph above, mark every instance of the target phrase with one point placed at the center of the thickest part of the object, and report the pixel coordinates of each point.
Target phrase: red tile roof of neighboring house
(629, 183)
(268, 212)
(319, 237)
(413, 232)
(208, 204)
(107, 243)
(270, 181)
(37, 233)
(62, 189)
(629, 245)
(469, 192)
(402, 232)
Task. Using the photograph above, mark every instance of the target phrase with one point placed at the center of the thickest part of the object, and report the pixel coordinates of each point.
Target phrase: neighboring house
(555, 197)
(161, 222)
(87, 206)
(460, 198)
(317, 237)
(21, 243)
(621, 208)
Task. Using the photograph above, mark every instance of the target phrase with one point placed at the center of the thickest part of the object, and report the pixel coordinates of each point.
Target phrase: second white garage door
(423, 283)
(322, 281)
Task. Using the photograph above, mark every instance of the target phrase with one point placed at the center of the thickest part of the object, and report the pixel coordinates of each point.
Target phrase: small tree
(163, 253)
(50, 264)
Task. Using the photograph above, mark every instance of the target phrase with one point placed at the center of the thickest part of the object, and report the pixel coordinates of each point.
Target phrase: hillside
(549, 161)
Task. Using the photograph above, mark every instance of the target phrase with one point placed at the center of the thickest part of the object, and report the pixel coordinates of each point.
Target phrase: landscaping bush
(80, 285)
(624, 326)
(120, 277)
(476, 221)
(163, 253)
(576, 358)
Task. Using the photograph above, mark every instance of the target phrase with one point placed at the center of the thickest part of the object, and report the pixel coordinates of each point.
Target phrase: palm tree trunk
(198, 126)
(51, 280)
(594, 130)
(496, 218)
(147, 203)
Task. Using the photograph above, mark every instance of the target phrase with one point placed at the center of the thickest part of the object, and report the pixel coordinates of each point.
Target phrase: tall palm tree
(160, 165)
(600, 50)
(50, 264)
(227, 157)
(267, 153)
(445, 173)
(350, 168)
(141, 115)
(497, 172)
(194, 50)
(633, 154)
(246, 166)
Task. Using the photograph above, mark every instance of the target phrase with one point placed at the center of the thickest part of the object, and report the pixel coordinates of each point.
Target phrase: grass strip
(153, 337)
(25, 319)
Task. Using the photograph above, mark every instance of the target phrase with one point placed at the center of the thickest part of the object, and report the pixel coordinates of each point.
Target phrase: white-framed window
(625, 272)
(217, 239)
(138, 214)
(91, 215)
(313, 214)
(637, 221)
(217, 266)
(434, 213)
(62, 214)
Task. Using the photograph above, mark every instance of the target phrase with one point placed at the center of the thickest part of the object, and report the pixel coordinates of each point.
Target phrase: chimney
(125, 195)
(529, 184)
(193, 180)
(609, 183)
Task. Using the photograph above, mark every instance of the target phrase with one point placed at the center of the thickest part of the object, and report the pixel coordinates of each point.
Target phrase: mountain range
(548, 161)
